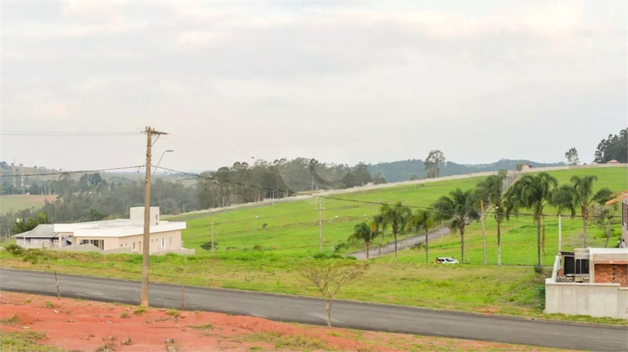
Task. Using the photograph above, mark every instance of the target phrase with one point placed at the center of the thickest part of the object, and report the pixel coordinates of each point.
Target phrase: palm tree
(491, 190)
(396, 216)
(378, 225)
(533, 192)
(422, 220)
(580, 196)
(362, 233)
(459, 207)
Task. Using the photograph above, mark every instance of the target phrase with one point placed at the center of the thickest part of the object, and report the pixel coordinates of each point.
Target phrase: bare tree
(432, 162)
(328, 278)
(572, 157)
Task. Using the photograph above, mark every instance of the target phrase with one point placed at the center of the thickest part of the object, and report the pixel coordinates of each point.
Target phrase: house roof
(41, 231)
(116, 228)
(622, 197)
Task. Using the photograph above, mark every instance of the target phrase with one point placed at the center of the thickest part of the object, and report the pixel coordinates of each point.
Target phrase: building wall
(172, 241)
(612, 273)
(624, 220)
(597, 300)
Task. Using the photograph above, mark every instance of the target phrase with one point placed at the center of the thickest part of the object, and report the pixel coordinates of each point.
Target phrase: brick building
(589, 281)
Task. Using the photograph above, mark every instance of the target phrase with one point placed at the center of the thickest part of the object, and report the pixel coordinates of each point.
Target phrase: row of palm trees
(534, 192)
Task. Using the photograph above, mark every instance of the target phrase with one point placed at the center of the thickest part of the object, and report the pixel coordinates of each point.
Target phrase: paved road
(402, 244)
(349, 314)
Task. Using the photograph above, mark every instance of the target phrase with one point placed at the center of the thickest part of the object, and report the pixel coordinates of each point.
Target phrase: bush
(538, 269)
(14, 250)
(540, 291)
(341, 246)
(258, 247)
(208, 246)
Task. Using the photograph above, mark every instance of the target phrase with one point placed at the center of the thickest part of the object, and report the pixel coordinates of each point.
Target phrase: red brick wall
(611, 273)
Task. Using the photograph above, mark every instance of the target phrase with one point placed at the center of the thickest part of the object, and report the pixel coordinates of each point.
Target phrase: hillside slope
(397, 171)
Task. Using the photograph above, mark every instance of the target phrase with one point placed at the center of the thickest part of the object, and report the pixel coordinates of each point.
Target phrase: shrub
(258, 247)
(538, 269)
(341, 246)
(14, 250)
(208, 246)
(124, 314)
(49, 304)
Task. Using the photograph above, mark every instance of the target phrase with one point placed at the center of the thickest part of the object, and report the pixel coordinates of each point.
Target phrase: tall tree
(459, 208)
(613, 148)
(362, 233)
(572, 157)
(579, 196)
(396, 216)
(432, 163)
(422, 220)
(491, 190)
(533, 192)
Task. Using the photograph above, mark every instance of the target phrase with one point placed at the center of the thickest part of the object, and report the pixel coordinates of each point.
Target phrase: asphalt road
(349, 314)
(401, 244)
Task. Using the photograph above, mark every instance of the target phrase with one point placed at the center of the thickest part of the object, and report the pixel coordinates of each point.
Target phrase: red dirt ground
(87, 325)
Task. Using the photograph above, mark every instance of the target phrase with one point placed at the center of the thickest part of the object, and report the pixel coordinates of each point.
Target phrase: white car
(446, 260)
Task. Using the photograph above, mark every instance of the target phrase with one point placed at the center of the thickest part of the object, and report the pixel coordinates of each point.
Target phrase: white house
(119, 235)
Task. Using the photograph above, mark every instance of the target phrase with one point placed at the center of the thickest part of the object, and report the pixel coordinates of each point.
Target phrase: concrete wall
(137, 215)
(78, 248)
(172, 242)
(596, 300)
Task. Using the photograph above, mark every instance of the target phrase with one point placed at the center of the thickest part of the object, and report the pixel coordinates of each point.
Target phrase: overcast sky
(343, 81)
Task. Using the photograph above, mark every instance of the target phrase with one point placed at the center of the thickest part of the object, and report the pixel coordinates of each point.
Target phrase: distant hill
(402, 170)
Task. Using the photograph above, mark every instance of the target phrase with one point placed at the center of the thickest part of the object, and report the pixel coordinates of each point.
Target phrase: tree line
(244, 182)
(532, 192)
(91, 198)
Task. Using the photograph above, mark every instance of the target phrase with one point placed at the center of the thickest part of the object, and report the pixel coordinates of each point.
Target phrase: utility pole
(212, 236)
(560, 234)
(320, 225)
(146, 238)
(483, 233)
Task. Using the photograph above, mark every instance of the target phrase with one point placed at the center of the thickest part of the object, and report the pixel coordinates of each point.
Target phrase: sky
(341, 81)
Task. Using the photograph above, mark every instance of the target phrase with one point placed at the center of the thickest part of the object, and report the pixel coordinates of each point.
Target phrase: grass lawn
(12, 202)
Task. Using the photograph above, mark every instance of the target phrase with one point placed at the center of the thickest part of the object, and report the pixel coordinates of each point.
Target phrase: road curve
(401, 244)
(351, 314)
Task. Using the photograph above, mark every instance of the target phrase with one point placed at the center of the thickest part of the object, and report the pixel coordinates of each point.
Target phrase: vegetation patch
(24, 341)
(296, 342)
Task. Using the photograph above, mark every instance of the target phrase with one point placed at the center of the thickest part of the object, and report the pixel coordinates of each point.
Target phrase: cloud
(201, 38)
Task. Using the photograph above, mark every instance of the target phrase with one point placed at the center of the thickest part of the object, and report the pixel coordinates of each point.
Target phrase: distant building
(113, 236)
(523, 166)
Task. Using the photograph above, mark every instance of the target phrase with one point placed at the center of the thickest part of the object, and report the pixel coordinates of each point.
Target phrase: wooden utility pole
(560, 234)
(146, 238)
(483, 234)
(320, 225)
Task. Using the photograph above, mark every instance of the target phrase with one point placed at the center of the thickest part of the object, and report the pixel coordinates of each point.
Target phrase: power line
(67, 134)
(72, 172)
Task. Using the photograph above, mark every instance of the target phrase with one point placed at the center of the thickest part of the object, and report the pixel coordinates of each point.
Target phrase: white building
(119, 236)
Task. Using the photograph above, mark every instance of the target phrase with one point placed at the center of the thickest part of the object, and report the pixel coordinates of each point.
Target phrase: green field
(292, 228)
(12, 202)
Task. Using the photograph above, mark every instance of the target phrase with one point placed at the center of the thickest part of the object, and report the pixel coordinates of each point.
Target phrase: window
(56, 241)
(35, 241)
(163, 242)
(121, 245)
(133, 245)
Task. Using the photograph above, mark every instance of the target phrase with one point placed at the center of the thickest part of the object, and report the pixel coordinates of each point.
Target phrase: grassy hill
(292, 228)
(12, 202)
